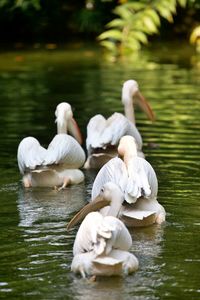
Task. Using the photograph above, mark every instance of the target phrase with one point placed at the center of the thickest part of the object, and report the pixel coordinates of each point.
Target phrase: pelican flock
(124, 192)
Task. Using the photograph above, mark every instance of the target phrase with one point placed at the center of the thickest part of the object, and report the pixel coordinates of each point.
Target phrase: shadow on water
(35, 248)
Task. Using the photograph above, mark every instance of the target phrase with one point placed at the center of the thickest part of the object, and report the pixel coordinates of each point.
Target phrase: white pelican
(136, 187)
(101, 245)
(103, 135)
(58, 164)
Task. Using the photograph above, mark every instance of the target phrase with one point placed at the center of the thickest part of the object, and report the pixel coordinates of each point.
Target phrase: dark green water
(35, 249)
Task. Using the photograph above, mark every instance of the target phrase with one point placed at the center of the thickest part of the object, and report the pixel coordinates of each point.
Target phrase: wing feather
(30, 154)
(113, 171)
(64, 149)
(101, 234)
(142, 180)
(102, 132)
(95, 127)
(86, 235)
(120, 238)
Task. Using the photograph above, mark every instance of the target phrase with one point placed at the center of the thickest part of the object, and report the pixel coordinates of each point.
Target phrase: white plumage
(69, 153)
(138, 183)
(102, 132)
(141, 182)
(103, 135)
(58, 164)
(101, 247)
(30, 154)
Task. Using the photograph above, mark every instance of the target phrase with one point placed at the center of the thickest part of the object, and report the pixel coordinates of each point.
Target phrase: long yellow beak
(145, 106)
(96, 204)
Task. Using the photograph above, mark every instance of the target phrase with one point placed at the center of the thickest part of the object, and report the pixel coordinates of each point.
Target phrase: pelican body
(103, 135)
(137, 181)
(59, 164)
(101, 247)
(133, 197)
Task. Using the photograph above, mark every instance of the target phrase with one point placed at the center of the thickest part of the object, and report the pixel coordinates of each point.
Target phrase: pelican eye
(102, 190)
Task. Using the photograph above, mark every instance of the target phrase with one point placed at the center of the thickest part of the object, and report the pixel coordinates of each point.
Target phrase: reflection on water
(147, 246)
(38, 205)
(35, 249)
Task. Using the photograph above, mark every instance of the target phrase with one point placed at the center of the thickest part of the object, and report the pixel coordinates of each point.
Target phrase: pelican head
(66, 122)
(63, 112)
(131, 95)
(130, 89)
(110, 195)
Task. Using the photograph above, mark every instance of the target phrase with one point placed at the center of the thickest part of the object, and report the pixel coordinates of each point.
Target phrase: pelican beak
(96, 204)
(75, 130)
(145, 106)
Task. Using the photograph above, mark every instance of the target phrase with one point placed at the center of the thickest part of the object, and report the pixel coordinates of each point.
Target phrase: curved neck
(61, 127)
(129, 154)
(115, 206)
(129, 110)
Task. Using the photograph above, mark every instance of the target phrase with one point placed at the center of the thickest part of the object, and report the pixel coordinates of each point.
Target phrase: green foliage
(135, 22)
(129, 25)
(26, 4)
(22, 4)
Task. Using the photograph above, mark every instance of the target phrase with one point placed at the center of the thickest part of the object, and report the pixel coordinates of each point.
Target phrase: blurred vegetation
(121, 26)
(137, 20)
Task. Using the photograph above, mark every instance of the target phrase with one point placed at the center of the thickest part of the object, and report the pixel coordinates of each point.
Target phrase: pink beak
(145, 106)
(75, 130)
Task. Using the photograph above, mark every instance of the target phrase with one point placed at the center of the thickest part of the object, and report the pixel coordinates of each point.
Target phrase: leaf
(109, 45)
(140, 36)
(165, 13)
(168, 5)
(123, 12)
(132, 44)
(135, 5)
(111, 34)
(154, 16)
(150, 25)
(182, 2)
(195, 35)
(116, 23)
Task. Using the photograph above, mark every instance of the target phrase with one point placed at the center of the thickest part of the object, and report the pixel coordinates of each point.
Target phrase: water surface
(35, 248)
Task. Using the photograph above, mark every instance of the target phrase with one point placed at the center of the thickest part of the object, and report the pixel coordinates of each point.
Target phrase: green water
(35, 248)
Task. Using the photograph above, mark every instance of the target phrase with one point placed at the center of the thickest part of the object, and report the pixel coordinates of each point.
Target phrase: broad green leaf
(154, 15)
(165, 13)
(116, 23)
(109, 45)
(123, 12)
(150, 25)
(169, 5)
(135, 5)
(111, 34)
(140, 36)
(182, 2)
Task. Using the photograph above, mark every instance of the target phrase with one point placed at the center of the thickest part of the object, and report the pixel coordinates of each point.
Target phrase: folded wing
(142, 180)
(102, 132)
(113, 171)
(101, 235)
(30, 154)
(65, 150)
